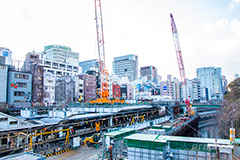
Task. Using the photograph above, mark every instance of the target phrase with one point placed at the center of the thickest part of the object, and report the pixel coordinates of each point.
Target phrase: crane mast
(180, 62)
(101, 51)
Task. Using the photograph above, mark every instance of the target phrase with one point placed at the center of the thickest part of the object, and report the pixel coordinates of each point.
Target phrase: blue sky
(209, 31)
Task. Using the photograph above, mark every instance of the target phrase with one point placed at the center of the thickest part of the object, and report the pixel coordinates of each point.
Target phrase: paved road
(82, 153)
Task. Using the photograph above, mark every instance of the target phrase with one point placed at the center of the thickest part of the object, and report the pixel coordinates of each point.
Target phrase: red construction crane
(180, 62)
(101, 52)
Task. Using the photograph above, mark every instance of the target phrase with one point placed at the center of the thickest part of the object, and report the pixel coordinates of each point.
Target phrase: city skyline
(208, 31)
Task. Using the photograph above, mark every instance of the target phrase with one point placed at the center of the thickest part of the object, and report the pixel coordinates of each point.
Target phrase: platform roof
(164, 139)
(24, 156)
(119, 132)
(89, 115)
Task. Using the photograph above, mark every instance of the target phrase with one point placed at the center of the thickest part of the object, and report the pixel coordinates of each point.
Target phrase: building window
(13, 122)
(39, 78)
(40, 87)
(21, 76)
(20, 84)
(50, 81)
(17, 93)
(3, 119)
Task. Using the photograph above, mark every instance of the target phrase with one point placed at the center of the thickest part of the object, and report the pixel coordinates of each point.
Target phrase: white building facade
(49, 89)
(5, 56)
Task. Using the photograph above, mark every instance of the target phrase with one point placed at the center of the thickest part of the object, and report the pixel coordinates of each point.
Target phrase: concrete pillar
(8, 139)
(60, 133)
(41, 135)
(111, 121)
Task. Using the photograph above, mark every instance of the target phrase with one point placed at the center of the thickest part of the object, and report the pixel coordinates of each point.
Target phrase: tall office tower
(89, 65)
(211, 83)
(126, 66)
(150, 72)
(5, 56)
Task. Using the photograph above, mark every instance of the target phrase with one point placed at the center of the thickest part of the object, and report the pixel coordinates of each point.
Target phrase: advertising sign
(76, 141)
(5, 53)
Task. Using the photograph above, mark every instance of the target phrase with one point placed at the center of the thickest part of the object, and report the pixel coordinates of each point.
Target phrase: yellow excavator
(93, 140)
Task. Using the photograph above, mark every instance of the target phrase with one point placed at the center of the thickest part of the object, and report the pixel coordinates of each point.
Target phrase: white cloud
(219, 25)
(234, 3)
(235, 26)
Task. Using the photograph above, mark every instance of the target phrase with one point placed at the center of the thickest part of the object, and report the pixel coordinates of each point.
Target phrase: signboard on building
(164, 88)
(5, 53)
(76, 142)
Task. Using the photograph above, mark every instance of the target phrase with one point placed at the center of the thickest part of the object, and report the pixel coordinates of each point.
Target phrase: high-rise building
(150, 72)
(5, 56)
(211, 83)
(89, 65)
(126, 66)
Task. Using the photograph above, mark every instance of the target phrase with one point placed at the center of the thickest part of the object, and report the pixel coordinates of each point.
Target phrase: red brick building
(116, 90)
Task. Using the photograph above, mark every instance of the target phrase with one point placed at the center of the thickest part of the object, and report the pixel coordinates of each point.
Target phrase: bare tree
(231, 110)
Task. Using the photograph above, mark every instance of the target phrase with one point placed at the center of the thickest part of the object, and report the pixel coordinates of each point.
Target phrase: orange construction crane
(103, 92)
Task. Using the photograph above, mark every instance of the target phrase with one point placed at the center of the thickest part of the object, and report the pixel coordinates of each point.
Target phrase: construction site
(109, 128)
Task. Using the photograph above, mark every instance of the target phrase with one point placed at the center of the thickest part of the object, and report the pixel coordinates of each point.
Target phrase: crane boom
(180, 61)
(101, 50)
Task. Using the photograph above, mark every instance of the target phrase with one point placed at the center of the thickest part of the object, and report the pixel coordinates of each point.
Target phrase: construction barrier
(59, 152)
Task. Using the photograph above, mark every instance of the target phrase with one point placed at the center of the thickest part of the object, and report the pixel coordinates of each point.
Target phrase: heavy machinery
(180, 64)
(132, 121)
(93, 140)
(103, 92)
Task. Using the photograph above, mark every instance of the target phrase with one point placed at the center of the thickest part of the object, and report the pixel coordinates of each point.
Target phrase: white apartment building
(60, 53)
(60, 61)
(60, 69)
(79, 89)
(49, 89)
